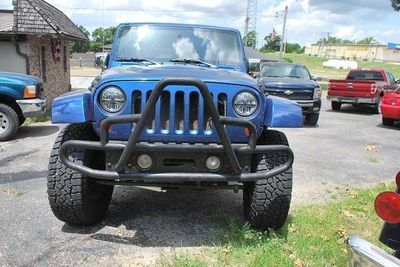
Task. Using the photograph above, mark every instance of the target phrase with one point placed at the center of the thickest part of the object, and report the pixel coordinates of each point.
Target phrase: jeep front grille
(179, 112)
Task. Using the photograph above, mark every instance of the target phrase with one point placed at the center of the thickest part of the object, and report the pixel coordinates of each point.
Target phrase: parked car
(390, 106)
(175, 108)
(363, 253)
(361, 87)
(294, 82)
(20, 97)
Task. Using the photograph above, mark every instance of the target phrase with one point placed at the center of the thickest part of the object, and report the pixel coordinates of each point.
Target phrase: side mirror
(398, 81)
(102, 60)
(247, 66)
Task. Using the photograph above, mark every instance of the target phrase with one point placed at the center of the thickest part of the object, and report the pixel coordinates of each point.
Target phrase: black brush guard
(118, 173)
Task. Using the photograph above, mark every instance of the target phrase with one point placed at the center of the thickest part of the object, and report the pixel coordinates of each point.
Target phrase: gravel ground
(142, 225)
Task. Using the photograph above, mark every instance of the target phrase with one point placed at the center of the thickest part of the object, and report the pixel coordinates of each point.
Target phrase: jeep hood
(292, 83)
(158, 72)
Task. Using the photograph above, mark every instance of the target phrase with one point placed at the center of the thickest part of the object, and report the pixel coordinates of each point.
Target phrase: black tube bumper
(128, 149)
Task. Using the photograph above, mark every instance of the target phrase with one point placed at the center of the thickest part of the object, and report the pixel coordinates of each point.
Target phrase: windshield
(161, 44)
(277, 70)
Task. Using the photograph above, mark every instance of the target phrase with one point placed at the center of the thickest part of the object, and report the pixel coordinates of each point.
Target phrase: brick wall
(57, 76)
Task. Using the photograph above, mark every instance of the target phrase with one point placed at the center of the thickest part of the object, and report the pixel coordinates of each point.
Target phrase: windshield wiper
(293, 76)
(137, 60)
(192, 61)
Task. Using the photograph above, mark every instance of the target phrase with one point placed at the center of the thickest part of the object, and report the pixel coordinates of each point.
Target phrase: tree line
(98, 38)
(272, 42)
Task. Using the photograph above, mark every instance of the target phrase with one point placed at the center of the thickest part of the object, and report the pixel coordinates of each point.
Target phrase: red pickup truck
(361, 86)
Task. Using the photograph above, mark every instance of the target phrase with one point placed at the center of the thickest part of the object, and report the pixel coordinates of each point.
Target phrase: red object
(361, 86)
(398, 180)
(56, 49)
(390, 106)
(387, 206)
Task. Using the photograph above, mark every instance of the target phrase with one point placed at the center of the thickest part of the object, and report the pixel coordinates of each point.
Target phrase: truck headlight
(245, 104)
(317, 93)
(112, 99)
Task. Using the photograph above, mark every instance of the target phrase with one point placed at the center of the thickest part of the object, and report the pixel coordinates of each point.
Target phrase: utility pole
(283, 39)
(251, 20)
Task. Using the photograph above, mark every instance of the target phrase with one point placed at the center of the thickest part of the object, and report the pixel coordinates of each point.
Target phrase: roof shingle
(38, 16)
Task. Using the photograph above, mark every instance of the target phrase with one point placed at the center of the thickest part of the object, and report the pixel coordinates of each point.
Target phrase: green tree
(251, 39)
(368, 40)
(396, 4)
(272, 43)
(100, 37)
(81, 46)
(294, 48)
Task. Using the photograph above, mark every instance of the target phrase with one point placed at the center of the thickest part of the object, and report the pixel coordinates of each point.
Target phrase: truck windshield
(365, 75)
(161, 44)
(285, 70)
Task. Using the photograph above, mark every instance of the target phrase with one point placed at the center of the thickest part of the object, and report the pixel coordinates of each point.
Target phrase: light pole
(283, 34)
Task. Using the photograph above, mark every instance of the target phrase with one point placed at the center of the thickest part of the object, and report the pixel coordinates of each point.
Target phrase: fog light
(213, 163)
(144, 162)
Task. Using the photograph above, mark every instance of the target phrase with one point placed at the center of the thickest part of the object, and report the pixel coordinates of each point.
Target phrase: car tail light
(398, 180)
(387, 206)
(374, 88)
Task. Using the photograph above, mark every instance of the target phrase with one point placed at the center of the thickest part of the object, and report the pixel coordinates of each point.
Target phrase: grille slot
(179, 112)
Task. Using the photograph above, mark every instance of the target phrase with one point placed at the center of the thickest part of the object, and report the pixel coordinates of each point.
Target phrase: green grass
(315, 66)
(313, 236)
(42, 118)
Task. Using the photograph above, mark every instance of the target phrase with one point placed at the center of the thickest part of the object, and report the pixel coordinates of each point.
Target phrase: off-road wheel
(75, 198)
(387, 122)
(312, 119)
(266, 202)
(9, 122)
(336, 105)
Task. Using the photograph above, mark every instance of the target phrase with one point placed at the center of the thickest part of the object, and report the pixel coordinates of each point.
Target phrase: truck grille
(179, 112)
(302, 94)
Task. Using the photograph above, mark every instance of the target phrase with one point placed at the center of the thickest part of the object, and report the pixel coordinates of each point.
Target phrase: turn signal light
(387, 206)
(30, 91)
(374, 88)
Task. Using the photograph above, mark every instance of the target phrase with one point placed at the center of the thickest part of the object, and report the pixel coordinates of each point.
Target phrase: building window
(42, 63)
(65, 58)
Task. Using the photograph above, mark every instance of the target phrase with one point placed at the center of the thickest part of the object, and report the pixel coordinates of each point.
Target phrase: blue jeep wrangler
(20, 98)
(175, 108)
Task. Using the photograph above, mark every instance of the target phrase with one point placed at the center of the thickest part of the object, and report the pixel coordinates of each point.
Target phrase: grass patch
(373, 160)
(42, 118)
(314, 64)
(313, 236)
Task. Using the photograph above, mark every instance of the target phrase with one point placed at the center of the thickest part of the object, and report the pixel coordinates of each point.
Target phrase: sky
(308, 20)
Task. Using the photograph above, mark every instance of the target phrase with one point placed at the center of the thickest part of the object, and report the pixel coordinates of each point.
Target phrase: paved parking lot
(348, 149)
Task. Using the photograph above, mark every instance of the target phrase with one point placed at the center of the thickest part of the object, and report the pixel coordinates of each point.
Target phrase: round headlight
(112, 99)
(245, 104)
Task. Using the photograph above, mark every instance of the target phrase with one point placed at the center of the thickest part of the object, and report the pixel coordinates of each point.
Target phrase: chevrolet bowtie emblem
(288, 92)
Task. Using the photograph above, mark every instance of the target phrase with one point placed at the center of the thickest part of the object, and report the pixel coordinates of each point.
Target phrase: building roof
(252, 53)
(6, 20)
(39, 17)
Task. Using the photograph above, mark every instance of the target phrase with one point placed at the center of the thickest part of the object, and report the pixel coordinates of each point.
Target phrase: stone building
(34, 40)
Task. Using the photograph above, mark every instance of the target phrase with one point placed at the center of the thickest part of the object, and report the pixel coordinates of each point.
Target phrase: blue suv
(175, 107)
